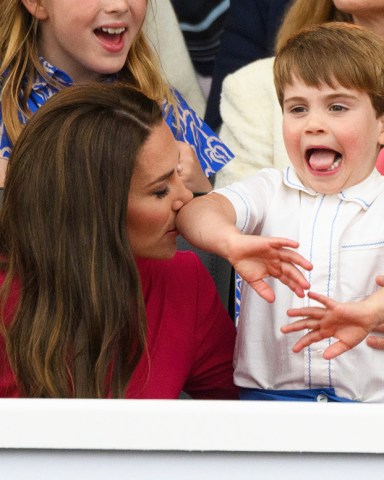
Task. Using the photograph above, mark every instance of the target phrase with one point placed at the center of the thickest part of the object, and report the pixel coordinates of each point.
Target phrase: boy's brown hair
(334, 52)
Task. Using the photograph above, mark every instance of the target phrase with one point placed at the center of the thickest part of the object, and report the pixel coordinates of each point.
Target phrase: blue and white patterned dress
(210, 150)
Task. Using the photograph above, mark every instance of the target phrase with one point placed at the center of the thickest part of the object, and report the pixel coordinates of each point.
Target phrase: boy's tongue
(322, 159)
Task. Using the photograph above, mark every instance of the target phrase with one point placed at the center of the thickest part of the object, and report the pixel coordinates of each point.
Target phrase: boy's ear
(381, 136)
(36, 8)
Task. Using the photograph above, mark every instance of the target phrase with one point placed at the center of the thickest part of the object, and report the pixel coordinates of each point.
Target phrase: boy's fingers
(312, 312)
(308, 339)
(300, 325)
(264, 290)
(292, 257)
(291, 272)
(375, 342)
(335, 350)
(326, 301)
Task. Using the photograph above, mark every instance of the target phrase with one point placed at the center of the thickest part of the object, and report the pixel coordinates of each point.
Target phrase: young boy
(330, 83)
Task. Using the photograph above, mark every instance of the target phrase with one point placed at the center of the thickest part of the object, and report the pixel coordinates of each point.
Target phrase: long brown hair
(302, 13)
(19, 64)
(79, 327)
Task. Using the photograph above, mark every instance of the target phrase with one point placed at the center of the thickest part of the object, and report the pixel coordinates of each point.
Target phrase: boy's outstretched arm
(208, 222)
(349, 322)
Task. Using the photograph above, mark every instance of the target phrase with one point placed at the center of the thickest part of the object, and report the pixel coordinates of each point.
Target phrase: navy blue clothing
(250, 29)
(307, 395)
(201, 22)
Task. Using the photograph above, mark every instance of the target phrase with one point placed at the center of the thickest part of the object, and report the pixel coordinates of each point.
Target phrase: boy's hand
(256, 258)
(375, 341)
(349, 322)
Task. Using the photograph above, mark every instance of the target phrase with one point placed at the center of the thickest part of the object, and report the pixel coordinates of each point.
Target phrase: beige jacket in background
(252, 122)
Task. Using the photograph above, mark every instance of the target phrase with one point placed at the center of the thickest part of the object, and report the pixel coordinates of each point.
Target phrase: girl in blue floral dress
(48, 46)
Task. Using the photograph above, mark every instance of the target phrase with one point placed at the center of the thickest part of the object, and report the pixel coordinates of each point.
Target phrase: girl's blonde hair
(20, 64)
(302, 13)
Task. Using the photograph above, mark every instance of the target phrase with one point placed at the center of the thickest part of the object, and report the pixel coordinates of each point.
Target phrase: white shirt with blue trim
(343, 236)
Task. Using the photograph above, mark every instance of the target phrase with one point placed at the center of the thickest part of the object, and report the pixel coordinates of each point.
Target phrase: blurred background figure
(202, 24)
(249, 33)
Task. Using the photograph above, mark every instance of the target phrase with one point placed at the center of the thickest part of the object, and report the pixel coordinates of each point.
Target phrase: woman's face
(156, 195)
(364, 12)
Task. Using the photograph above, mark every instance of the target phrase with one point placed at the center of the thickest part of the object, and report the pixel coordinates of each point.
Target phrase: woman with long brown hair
(95, 301)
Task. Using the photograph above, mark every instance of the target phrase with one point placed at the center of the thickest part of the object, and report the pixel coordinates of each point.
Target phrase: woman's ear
(36, 8)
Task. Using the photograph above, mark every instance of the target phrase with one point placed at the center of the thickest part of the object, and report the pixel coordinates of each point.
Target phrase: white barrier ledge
(190, 425)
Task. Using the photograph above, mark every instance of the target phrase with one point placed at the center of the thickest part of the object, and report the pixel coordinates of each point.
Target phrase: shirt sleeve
(211, 376)
(251, 198)
(190, 128)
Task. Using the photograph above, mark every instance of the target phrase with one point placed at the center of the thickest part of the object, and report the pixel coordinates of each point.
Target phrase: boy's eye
(297, 109)
(338, 108)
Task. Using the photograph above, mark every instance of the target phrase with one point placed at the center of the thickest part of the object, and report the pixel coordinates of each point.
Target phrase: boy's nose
(315, 124)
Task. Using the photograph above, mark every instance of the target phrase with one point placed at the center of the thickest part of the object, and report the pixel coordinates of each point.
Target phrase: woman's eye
(161, 193)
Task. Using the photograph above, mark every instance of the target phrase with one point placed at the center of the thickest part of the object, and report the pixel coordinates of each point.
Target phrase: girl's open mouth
(110, 35)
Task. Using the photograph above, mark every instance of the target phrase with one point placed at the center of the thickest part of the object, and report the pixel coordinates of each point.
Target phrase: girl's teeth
(113, 31)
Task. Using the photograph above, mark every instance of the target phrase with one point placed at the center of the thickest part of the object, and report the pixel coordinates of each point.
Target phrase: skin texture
(156, 195)
(339, 119)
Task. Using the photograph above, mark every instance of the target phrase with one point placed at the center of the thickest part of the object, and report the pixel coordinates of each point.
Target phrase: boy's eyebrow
(331, 96)
(293, 99)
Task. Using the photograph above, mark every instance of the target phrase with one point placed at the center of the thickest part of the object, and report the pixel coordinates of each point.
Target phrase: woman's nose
(184, 195)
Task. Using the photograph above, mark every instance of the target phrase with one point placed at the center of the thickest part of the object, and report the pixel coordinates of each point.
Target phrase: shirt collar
(364, 193)
(54, 73)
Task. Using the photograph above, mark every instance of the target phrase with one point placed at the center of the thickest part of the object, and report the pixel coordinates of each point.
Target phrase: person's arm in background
(249, 34)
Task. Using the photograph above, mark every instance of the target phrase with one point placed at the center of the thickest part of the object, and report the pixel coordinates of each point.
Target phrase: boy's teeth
(335, 164)
(112, 31)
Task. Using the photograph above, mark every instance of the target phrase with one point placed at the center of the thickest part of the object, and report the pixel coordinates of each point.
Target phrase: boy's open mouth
(110, 35)
(323, 159)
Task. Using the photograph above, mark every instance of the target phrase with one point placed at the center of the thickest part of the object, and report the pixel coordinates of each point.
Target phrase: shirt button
(322, 398)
